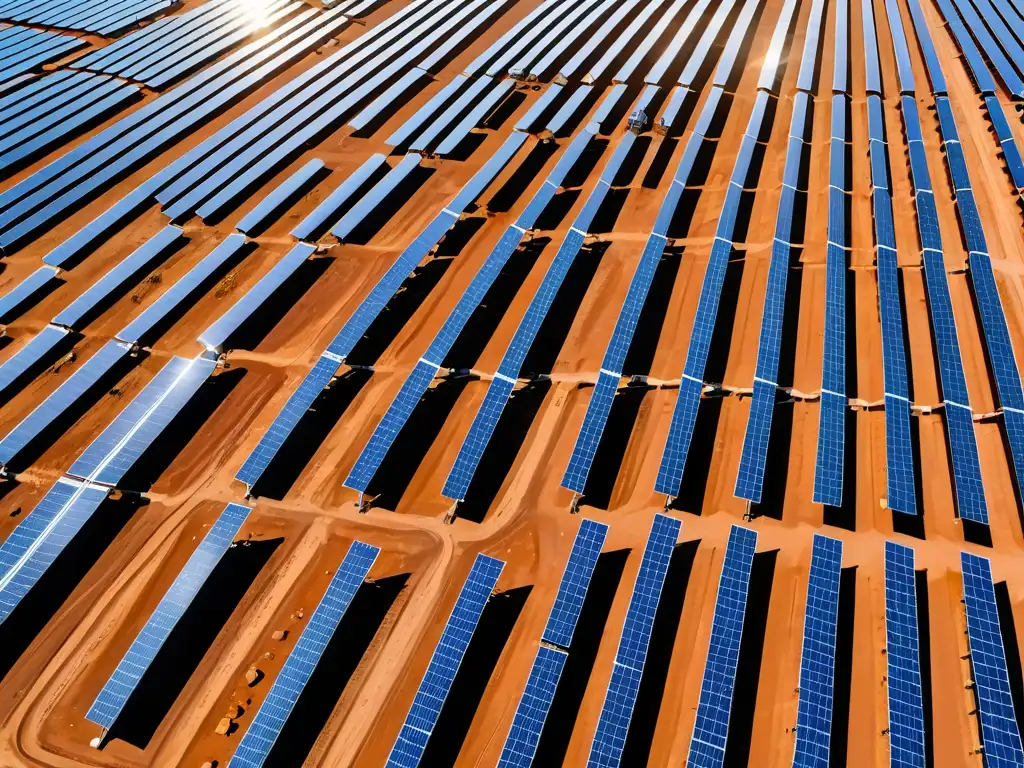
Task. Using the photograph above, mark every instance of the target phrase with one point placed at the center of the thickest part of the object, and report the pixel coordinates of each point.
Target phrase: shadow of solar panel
(273, 713)
(37, 541)
(620, 698)
(818, 657)
(218, 334)
(707, 747)
(1000, 736)
(444, 664)
(82, 308)
(64, 397)
(155, 314)
(109, 457)
(903, 659)
(119, 687)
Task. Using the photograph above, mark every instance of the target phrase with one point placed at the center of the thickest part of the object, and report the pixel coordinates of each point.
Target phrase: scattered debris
(279, 634)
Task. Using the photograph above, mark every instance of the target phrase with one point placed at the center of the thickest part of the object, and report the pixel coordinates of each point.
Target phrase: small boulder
(279, 634)
(223, 727)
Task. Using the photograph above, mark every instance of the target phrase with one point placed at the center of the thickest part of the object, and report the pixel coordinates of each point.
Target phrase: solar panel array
(102, 17)
(24, 50)
(711, 729)
(258, 740)
(40, 538)
(903, 657)
(444, 664)
(684, 413)
(1000, 736)
(521, 744)
(284, 194)
(429, 364)
(367, 312)
(1001, 359)
(511, 366)
(899, 452)
(19, 296)
(108, 458)
(624, 685)
(118, 689)
(818, 657)
(828, 470)
(192, 39)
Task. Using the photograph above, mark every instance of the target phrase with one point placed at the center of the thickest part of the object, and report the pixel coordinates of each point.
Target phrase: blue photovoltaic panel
(139, 328)
(899, 456)
(317, 221)
(487, 173)
(1000, 737)
(620, 698)
(446, 118)
(424, 113)
(109, 457)
(680, 433)
(41, 537)
(460, 476)
(281, 428)
(257, 219)
(828, 467)
(259, 739)
(970, 490)
(750, 475)
(117, 277)
(30, 355)
(818, 657)
(575, 580)
(711, 729)
(903, 657)
(1011, 153)
(140, 655)
(444, 664)
(384, 436)
(528, 723)
(221, 330)
(65, 396)
(23, 291)
(366, 205)
(589, 437)
(479, 111)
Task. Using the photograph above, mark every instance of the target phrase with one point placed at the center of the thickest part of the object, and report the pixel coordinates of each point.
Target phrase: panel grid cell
(903, 658)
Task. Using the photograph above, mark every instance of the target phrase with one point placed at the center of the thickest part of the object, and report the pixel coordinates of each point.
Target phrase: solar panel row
(320, 218)
(118, 689)
(364, 315)
(444, 664)
(903, 659)
(624, 685)
(29, 358)
(1000, 736)
(282, 195)
(711, 729)
(258, 741)
(99, 16)
(23, 292)
(38, 539)
(524, 735)
(818, 657)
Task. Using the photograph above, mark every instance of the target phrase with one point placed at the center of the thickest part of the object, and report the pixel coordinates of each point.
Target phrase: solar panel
(680, 433)
(754, 456)
(589, 437)
(569, 109)
(707, 747)
(259, 739)
(528, 723)
(773, 56)
(1011, 154)
(731, 51)
(841, 53)
(502, 43)
(924, 39)
(640, 49)
(560, 37)
(624, 685)
(424, 113)
(460, 476)
(217, 335)
(970, 490)
(53, 408)
(317, 221)
(488, 173)
(140, 655)
(1000, 737)
(82, 308)
(809, 61)
(154, 315)
(994, 50)
(472, 119)
(708, 37)
(572, 590)
(903, 659)
(608, 104)
(444, 663)
(818, 657)
(259, 217)
(450, 115)
(15, 298)
(599, 38)
(672, 109)
(539, 107)
(109, 457)
(872, 69)
(30, 356)
(37, 541)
